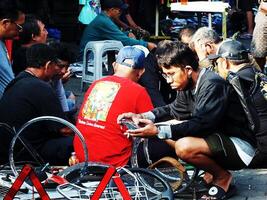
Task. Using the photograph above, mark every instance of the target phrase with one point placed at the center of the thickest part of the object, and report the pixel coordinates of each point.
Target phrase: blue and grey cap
(136, 55)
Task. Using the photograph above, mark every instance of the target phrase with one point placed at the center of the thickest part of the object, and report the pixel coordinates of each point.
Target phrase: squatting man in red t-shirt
(104, 101)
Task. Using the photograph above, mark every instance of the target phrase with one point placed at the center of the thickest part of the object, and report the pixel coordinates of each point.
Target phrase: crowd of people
(201, 80)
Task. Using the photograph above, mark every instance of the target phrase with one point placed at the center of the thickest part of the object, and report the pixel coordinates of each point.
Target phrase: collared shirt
(6, 73)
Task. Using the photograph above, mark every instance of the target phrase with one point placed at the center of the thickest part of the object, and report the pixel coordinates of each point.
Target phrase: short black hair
(9, 10)
(39, 54)
(30, 28)
(175, 53)
(63, 51)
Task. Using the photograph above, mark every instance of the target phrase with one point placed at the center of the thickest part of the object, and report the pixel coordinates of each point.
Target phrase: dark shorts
(224, 152)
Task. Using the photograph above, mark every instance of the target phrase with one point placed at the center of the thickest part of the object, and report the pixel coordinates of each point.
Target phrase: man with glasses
(9, 29)
(206, 105)
(34, 32)
(205, 41)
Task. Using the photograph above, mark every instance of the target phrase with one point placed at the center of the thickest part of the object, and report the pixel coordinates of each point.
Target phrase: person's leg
(246, 7)
(197, 152)
(250, 22)
(58, 150)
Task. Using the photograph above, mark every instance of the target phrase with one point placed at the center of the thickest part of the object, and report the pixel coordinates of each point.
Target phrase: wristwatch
(164, 132)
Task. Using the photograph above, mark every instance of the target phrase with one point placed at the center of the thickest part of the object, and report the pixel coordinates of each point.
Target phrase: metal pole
(210, 20)
(157, 21)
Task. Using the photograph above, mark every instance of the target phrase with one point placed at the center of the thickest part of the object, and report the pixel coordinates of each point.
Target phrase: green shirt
(103, 28)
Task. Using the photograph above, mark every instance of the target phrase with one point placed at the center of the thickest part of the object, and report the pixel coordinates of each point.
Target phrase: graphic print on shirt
(100, 100)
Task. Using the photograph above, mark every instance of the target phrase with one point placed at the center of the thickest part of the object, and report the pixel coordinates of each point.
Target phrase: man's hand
(66, 131)
(66, 76)
(132, 116)
(148, 129)
(131, 35)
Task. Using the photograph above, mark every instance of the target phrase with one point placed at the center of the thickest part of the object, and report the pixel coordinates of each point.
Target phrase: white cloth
(245, 151)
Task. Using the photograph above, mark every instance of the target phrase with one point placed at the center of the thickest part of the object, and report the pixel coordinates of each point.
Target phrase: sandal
(217, 193)
(246, 36)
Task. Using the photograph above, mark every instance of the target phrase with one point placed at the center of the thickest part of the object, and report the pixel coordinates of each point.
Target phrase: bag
(87, 13)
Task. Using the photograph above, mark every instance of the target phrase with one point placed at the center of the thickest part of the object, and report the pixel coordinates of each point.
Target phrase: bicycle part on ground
(140, 183)
(31, 150)
(188, 177)
(44, 118)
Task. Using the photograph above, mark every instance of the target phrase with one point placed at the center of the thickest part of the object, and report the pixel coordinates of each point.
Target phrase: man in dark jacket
(157, 87)
(234, 65)
(211, 137)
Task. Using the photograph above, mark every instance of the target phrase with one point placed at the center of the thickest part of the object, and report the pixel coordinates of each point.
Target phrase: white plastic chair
(98, 58)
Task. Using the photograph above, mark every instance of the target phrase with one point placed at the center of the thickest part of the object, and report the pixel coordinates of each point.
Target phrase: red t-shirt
(97, 121)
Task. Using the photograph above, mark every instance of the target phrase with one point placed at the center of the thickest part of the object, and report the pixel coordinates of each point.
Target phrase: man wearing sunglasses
(234, 65)
(10, 20)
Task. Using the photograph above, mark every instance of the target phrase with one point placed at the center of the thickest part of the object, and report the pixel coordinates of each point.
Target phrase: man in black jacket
(234, 65)
(206, 103)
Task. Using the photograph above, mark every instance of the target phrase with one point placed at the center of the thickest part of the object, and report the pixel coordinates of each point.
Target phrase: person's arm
(110, 30)
(131, 21)
(180, 108)
(50, 106)
(143, 105)
(120, 23)
(60, 92)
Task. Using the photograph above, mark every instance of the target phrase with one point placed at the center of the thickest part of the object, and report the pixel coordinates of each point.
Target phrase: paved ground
(251, 183)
